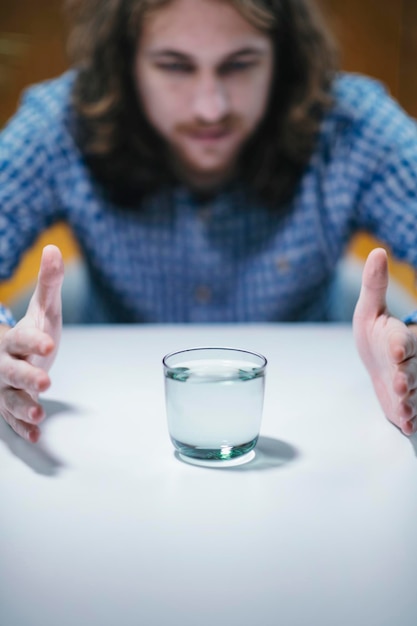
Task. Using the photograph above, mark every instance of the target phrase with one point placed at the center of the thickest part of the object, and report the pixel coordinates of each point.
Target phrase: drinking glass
(214, 400)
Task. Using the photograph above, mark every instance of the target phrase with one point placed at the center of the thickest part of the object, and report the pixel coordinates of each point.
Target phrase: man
(213, 165)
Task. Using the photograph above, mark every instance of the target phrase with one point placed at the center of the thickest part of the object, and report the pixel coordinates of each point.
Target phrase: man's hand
(387, 347)
(28, 350)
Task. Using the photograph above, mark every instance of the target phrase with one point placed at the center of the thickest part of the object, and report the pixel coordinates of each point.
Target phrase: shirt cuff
(411, 318)
(6, 316)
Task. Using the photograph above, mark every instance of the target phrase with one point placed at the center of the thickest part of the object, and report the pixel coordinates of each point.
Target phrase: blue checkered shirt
(227, 259)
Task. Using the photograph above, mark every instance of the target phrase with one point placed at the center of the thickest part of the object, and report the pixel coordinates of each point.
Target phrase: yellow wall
(28, 269)
(362, 244)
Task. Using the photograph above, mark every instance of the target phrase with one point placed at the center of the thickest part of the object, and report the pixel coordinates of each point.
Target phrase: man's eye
(236, 66)
(180, 68)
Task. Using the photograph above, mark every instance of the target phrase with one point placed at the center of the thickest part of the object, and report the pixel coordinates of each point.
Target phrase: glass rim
(225, 348)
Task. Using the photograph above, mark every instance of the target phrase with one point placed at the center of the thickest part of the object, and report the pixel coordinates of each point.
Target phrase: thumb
(372, 297)
(51, 275)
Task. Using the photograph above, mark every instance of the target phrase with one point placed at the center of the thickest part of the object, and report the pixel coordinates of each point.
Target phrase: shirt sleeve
(28, 202)
(411, 318)
(387, 204)
(6, 316)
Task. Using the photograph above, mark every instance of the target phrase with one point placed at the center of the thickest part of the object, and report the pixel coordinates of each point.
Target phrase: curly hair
(126, 155)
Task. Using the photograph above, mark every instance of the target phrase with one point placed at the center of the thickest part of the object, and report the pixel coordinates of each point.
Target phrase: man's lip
(209, 134)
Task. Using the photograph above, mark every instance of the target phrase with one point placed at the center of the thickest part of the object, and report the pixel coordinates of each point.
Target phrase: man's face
(203, 74)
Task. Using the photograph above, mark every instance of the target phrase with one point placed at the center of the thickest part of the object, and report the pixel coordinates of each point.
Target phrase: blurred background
(376, 37)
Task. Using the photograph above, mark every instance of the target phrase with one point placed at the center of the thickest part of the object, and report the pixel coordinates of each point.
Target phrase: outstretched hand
(388, 347)
(28, 350)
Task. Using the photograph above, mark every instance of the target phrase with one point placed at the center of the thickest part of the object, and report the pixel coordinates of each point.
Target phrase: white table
(101, 524)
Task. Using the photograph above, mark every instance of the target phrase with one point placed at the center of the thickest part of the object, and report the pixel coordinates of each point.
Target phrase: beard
(205, 155)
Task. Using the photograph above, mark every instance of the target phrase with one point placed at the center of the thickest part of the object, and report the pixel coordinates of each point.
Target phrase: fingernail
(33, 434)
(409, 426)
(44, 347)
(36, 414)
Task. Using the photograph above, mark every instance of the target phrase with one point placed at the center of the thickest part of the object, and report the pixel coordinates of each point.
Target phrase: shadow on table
(413, 441)
(36, 456)
(270, 453)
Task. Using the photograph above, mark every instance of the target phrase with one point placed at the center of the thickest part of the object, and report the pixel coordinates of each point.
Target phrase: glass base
(222, 454)
(238, 460)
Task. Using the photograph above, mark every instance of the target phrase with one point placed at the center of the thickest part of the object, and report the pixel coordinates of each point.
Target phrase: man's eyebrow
(176, 54)
(168, 53)
(248, 51)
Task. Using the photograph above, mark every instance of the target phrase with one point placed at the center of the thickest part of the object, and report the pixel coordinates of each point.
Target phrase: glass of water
(214, 401)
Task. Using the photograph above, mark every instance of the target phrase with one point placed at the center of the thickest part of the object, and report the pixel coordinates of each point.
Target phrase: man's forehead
(188, 26)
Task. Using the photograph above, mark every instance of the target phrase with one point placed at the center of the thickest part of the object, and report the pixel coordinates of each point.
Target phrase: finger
(51, 271)
(30, 432)
(405, 381)
(403, 346)
(23, 341)
(22, 406)
(51, 275)
(407, 409)
(20, 374)
(409, 427)
(372, 297)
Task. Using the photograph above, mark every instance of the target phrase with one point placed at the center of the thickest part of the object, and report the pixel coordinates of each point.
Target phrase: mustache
(229, 122)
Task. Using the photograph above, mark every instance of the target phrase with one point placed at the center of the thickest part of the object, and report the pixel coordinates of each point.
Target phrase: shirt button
(282, 264)
(203, 294)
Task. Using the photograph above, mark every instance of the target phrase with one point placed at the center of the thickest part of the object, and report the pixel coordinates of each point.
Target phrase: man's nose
(211, 102)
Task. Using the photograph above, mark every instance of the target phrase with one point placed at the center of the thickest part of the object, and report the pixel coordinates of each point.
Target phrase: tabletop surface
(102, 524)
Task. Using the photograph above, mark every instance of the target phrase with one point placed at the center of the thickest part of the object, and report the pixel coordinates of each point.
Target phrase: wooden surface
(32, 48)
(377, 37)
(408, 63)
(369, 34)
